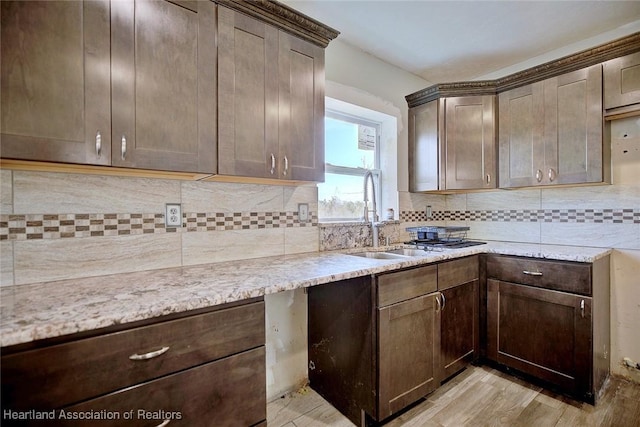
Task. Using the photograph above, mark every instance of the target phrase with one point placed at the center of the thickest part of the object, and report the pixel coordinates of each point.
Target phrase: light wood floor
(479, 396)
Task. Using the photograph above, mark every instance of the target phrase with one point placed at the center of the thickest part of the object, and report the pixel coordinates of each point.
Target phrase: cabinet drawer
(557, 275)
(403, 285)
(231, 391)
(457, 272)
(63, 374)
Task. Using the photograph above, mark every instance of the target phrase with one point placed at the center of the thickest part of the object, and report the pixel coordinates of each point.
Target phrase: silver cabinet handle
(488, 178)
(286, 166)
(538, 175)
(98, 144)
(124, 147)
(273, 164)
(532, 273)
(438, 303)
(552, 174)
(164, 423)
(149, 355)
(582, 308)
(444, 300)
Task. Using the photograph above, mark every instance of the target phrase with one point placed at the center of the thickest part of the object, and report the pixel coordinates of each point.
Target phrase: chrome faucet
(369, 176)
(374, 223)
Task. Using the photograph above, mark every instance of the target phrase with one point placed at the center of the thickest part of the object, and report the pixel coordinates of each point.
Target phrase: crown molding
(586, 58)
(285, 18)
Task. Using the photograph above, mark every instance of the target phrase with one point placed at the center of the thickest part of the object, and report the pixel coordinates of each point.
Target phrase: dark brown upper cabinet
(164, 85)
(271, 101)
(452, 144)
(622, 83)
(56, 84)
(126, 83)
(551, 132)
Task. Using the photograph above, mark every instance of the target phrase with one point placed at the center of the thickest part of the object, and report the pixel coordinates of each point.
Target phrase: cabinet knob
(552, 174)
(444, 300)
(438, 303)
(538, 175)
(582, 308)
(123, 145)
(488, 177)
(286, 166)
(98, 144)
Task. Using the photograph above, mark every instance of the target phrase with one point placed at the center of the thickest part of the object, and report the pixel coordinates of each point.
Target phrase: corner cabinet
(271, 101)
(378, 344)
(101, 83)
(452, 144)
(551, 132)
(196, 370)
(550, 320)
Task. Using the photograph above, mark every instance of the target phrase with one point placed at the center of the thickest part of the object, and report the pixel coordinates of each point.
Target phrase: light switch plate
(303, 212)
(173, 215)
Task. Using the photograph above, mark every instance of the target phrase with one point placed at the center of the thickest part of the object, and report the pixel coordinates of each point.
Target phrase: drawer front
(406, 284)
(458, 271)
(557, 275)
(228, 392)
(63, 374)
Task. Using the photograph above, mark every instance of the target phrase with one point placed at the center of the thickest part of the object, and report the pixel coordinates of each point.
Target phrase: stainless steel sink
(408, 252)
(380, 255)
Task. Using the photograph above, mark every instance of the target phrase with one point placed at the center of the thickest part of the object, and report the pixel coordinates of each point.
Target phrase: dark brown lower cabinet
(559, 337)
(379, 344)
(459, 328)
(204, 368)
(227, 392)
(407, 346)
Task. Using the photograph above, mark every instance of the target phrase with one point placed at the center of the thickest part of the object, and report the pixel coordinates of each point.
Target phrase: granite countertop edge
(52, 309)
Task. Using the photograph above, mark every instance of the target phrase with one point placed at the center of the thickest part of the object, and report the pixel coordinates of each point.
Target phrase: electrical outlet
(173, 215)
(303, 212)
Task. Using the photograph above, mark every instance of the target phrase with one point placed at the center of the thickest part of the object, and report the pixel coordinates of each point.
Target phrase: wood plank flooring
(479, 396)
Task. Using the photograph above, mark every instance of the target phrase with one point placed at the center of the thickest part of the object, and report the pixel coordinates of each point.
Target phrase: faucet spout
(368, 176)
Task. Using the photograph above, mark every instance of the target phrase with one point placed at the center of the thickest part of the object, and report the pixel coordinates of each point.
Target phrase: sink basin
(409, 252)
(380, 255)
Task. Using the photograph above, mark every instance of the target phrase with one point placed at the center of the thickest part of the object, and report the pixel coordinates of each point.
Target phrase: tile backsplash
(56, 226)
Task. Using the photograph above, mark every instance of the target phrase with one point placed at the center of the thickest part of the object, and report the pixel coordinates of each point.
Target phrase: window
(351, 148)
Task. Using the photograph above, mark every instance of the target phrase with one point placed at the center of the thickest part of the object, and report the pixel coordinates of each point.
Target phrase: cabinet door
(573, 127)
(248, 104)
(408, 338)
(622, 81)
(470, 143)
(56, 97)
(521, 130)
(424, 149)
(230, 391)
(164, 85)
(459, 328)
(301, 117)
(540, 332)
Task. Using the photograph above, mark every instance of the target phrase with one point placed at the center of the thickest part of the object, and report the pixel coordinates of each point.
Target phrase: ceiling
(446, 41)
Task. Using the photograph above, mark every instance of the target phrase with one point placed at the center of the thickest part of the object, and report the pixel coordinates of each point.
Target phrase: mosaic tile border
(610, 216)
(60, 226)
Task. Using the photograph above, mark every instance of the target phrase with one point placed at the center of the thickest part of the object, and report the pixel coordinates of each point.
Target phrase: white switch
(173, 215)
(303, 212)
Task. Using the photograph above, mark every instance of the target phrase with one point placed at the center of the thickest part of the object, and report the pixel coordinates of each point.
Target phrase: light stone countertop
(47, 310)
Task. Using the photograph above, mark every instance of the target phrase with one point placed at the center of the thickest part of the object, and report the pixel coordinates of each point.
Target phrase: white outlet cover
(173, 215)
(303, 212)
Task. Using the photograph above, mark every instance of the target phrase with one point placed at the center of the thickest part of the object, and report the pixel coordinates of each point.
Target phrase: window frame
(357, 171)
